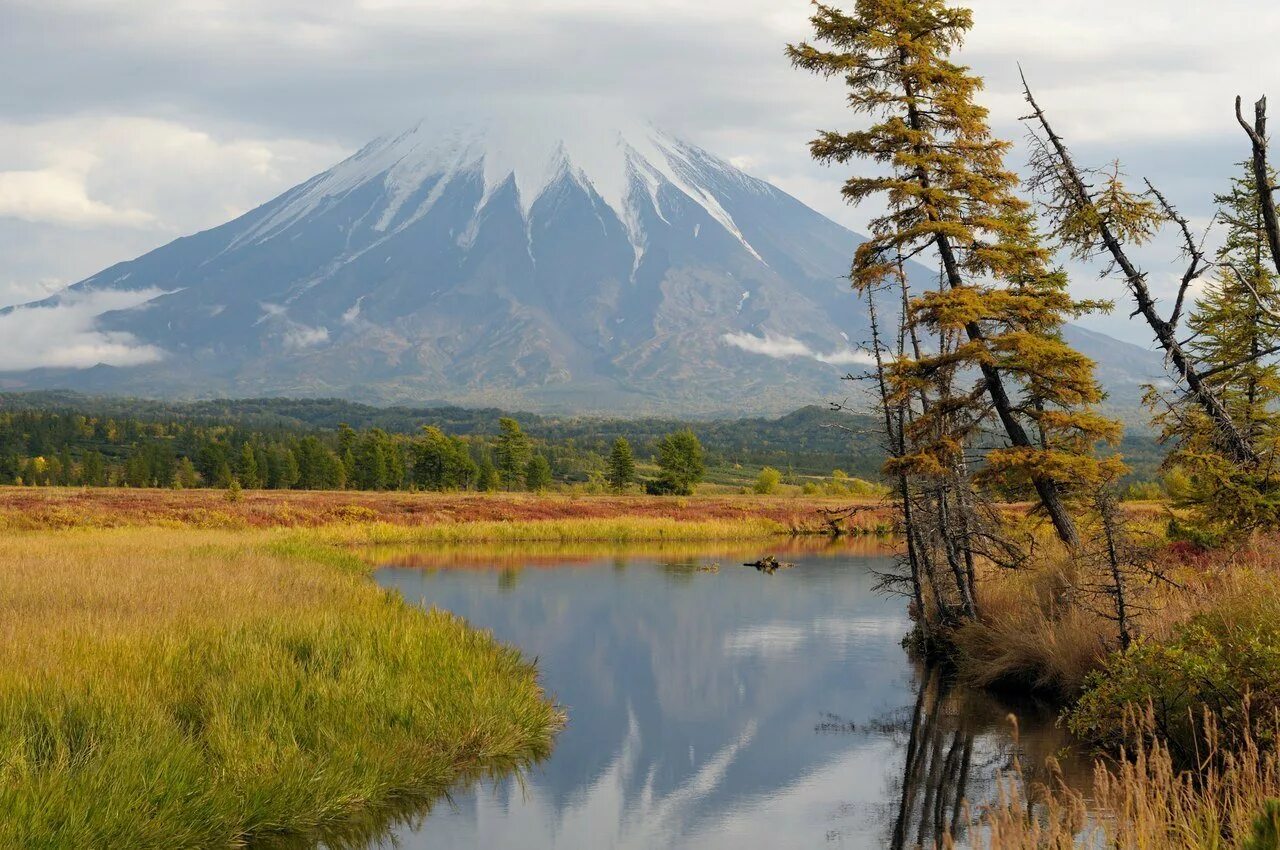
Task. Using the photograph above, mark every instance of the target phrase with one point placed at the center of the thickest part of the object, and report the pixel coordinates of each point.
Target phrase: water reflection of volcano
(715, 710)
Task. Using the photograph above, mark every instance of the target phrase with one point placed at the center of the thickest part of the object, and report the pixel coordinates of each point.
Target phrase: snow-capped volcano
(529, 262)
(618, 164)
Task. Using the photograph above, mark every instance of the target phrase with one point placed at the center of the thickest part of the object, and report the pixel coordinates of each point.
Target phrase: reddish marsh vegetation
(26, 507)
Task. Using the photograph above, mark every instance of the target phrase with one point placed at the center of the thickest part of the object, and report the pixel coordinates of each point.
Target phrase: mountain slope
(501, 263)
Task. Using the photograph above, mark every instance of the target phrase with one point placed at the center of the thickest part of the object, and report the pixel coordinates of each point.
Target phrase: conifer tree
(948, 191)
(538, 473)
(319, 468)
(282, 468)
(682, 461)
(184, 475)
(261, 460)
(68, 475)
(1231, 335)
(136, 471)
(488, 480)
(441, 462)
(347, 452)
(92, 471)
(622, 465)
(1105, 221)
(222, 477)
(247, 468)
(512, 452)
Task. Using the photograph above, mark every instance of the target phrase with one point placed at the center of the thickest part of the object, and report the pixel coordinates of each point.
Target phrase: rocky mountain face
(526, 267)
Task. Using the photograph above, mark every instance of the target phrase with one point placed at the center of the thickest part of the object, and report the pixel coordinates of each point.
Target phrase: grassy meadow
(179, 687)
(204, 669)
(214, 669)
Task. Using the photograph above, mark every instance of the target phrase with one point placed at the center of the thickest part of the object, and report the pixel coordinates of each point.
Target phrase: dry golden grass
(1141, 801)
(1037, 632)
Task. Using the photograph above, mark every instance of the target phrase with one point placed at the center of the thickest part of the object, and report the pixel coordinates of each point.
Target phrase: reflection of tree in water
(958, 741)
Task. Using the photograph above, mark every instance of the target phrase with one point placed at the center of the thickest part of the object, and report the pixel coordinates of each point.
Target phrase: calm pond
(715, 709)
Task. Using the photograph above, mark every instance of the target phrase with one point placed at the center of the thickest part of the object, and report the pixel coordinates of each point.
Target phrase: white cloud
(270, 311)
(65, 335)
(80, 193)
(298, 337)
(146, 172)
(58, 194)
(766, 640)
(783, 347)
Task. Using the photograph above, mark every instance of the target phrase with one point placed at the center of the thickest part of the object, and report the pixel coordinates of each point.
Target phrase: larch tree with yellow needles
(1001, 305)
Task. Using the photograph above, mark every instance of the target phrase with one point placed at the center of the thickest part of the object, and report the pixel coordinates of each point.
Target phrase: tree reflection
(958, 742)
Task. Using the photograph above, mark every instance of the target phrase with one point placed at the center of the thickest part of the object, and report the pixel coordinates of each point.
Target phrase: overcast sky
(128, 123)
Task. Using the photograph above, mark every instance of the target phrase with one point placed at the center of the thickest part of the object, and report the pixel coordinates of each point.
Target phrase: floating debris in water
(709, 568)
(769, 564)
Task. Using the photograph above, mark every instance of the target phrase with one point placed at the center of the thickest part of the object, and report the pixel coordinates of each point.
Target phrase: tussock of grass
(1036, 631)
(207, 689)
(1029, 637)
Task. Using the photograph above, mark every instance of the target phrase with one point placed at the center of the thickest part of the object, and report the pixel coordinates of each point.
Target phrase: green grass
(211, 689)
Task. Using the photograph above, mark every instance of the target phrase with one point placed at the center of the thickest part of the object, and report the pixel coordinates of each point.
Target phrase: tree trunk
(1261, 174)
(897, 445)
(1046, 489)
(1119, 591)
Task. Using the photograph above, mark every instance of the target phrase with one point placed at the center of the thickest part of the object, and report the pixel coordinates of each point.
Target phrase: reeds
(1143, 801)
(1038, 633)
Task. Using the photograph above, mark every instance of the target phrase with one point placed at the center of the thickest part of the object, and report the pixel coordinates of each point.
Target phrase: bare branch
(1243, 361)
(1194, 252)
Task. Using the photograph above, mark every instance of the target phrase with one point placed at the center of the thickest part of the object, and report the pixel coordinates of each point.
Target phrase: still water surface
(726, 709)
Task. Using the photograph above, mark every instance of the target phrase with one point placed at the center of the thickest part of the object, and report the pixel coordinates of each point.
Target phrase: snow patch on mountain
(621, 163)
(298, 337)
(352, 313)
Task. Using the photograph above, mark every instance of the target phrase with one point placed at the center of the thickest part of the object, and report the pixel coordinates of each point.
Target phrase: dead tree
(1065, 179)
(1261, 173)
(1117, 562)
(894, 417)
